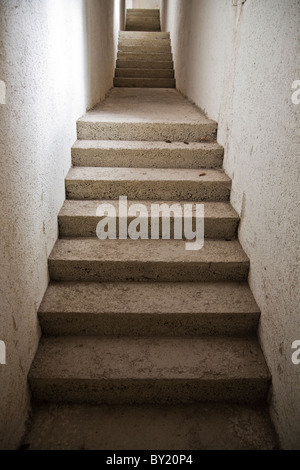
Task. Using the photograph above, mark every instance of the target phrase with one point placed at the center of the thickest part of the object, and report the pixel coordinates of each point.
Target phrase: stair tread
(143, 73)
(143, 11)
(141, 64)
(207, 359)
(163, 44)
(213, 210)
(125, 298)
(147, 174)
(139, 154)
(144, 27)
(147, 145)
(144, 49)
(147, 35)
(141, 106)
(148, 309)
(134, 154)
(143, 56)
(142, 41)
(130, 427)
(148, 82)
(147, 251)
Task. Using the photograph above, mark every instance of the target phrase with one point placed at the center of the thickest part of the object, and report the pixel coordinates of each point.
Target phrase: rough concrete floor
(182, 427)
(146, 105)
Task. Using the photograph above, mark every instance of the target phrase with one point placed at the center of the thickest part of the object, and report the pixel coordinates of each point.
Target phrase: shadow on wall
(100, 39)
(176, 18)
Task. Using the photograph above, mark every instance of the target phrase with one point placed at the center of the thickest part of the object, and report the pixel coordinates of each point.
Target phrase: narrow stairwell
(144, 58)
(129, 326)
(146, 345)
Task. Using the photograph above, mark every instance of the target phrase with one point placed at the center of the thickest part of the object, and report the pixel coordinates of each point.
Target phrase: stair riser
(148, 158)
(142, 14)
(144, 73)
(146, 57)
(115, 271)
(143, 11)
(146, 48)
(155, 131)
(134, 20)
(149, 391)
(143, 28)
(144, 64)
(144, 324)
(144, 82)
(86, 227)
(144, 18)
(143, 35)
(145, 190)
(146, 42)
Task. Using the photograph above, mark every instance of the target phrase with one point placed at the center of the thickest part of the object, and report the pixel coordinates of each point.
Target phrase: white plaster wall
(146, 4)
(57, 59)
(237, 60)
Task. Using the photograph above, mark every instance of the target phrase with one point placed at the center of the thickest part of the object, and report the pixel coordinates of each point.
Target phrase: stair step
(204, 426)
(147, 183)
(134, 19)
(144, 73)
(143, 27)
(149, 56)
(145, 42)
(145, 48)
(138, 35)
(103, 153)
(149, 370)
(140, 20)
(148, 309)
(88, 259)
(78, 218)
(142, 12)
(147, 115)
(93, 128)
(144, 64)
(145, 82)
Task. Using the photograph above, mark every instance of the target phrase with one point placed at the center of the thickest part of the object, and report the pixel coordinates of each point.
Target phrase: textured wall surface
(147, 4)
(237, 60)
(57, 59)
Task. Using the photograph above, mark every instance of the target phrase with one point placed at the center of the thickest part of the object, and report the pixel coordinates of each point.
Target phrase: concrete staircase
(144, 58)
(130, 326)
(142, 20)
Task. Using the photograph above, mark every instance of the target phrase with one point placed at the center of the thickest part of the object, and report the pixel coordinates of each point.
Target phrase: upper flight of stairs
(146, 323)
(144, 58)
(142, 20)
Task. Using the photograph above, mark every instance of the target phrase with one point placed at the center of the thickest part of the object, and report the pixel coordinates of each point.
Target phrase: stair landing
(146, 105)
(150, 114)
